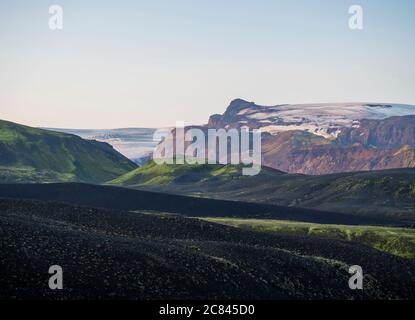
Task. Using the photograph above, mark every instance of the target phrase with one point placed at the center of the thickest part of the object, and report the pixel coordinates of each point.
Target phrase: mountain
(115, 254)
(35, 155)
(387, 193)
(328, 138)
(325, 119)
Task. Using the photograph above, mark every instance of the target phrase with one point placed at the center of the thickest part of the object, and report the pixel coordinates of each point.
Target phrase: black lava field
(117, 254)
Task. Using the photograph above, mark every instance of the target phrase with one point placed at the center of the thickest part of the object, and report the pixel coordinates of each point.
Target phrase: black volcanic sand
(128, 199)
(114, 254)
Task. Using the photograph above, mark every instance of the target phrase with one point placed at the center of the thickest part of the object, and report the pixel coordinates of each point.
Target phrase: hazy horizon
(147, 64)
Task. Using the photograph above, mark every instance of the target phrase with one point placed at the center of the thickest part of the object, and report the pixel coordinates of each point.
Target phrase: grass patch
(31, 175)
(397, 241)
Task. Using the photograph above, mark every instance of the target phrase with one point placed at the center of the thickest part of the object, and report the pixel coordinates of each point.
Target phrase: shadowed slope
(129, 199)
(387, 193)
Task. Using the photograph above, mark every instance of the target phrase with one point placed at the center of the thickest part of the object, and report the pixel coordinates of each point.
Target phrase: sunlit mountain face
(325, 119)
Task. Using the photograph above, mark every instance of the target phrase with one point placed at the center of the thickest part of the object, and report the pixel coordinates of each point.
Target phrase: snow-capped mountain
(328, 138)
(320, 119)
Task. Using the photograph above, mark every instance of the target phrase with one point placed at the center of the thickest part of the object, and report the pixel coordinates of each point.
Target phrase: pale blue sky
(150, 63)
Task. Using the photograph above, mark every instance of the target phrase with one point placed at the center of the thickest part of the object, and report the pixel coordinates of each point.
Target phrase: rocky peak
(238, 105)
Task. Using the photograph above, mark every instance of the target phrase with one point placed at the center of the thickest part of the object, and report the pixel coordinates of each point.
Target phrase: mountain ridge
(325, 119)
(385, 193)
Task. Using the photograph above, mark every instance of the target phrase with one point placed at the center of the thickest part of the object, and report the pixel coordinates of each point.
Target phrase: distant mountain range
(137, 144)
(35, 155)
(320, 139)
(311, 139)
(327, 119)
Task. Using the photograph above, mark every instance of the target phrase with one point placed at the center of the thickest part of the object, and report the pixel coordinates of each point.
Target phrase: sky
(118, 64)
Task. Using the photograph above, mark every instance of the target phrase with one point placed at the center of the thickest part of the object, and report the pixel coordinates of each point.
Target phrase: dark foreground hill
(35, 155)
(113, 254)
(133, 200)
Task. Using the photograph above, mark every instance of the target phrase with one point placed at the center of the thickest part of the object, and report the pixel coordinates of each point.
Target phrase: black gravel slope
(114, 254)
(129, 199)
